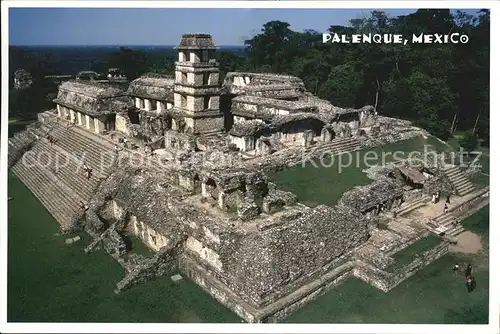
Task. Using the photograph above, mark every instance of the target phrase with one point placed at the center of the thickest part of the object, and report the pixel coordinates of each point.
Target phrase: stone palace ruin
(181, 163)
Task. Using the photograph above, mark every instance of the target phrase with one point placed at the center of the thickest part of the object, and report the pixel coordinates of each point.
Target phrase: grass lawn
(434, 295)
(326, 183)
(139, 247)
(479, 223)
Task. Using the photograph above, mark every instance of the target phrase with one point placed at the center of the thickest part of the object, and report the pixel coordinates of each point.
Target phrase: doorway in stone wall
(110, 122)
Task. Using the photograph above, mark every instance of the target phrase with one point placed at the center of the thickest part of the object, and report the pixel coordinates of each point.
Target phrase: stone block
(176, 278)
(272, 204)
(248, 210)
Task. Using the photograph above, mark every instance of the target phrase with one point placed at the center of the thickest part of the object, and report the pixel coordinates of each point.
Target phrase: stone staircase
(54, 172)
(445, 223)
(96, 153)
(407, 207)
(22, 140)
(337, 146)
(53, 196)
(460, 182)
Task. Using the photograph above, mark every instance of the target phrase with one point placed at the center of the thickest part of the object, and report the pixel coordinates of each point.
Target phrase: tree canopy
(441, 87)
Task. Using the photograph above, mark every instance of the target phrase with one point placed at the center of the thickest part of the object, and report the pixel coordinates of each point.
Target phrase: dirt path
(468, 243)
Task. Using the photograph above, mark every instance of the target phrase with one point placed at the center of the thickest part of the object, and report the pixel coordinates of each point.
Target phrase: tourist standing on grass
(468, 270)
(471, 284)
(455, 268)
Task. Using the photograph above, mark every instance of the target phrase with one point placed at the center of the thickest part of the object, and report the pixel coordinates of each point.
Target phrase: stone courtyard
(180, 162)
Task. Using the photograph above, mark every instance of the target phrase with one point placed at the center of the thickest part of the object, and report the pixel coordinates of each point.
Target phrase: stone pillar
(177, 100)
(59, 113)
(326, 135)
(159, 106)
(221, 200)
(308, 138)
(138, 103)
(194, 57)
(72, 115)
(147, 104)
(98, 126)
(79, 118)
(87, 122)
(204, 192)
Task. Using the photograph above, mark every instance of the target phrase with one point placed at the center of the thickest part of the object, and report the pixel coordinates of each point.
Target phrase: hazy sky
(162, 26)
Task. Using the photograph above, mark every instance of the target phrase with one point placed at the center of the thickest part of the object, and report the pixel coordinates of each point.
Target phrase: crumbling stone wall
(123, 124)
(162, 263)
(387, 280)
(481, 200)
(265, 265)
(179, 141)
(438, 182)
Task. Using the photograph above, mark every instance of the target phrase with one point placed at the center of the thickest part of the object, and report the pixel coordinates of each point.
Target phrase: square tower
(196, 86)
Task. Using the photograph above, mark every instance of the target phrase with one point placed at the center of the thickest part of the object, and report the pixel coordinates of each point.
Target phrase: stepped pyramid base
(54, 171)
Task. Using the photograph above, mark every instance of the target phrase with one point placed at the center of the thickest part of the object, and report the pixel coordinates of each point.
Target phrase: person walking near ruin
(468, 270)
(83, 206)
(433, 198)
(445, 209)
(470, 283)
(448, 198)
(438, 196)
(89, 174)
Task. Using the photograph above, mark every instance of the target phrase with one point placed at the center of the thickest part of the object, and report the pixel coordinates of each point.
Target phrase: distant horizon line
(113, 45)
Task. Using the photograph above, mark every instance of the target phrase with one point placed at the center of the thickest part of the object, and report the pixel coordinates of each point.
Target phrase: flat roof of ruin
(276, 103)
(91, 89)
(413, 174)
(246, 128)
(196, 42)
(270, 87)
(275, 76)
(155, 80)
(366, 197)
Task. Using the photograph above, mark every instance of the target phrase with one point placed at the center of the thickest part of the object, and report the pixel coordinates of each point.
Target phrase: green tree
(468, 141)
(271, 47)
(427, 101)
(133, 63)
(342, 85)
